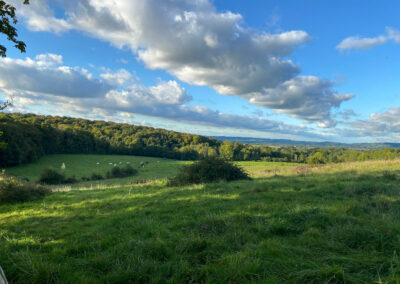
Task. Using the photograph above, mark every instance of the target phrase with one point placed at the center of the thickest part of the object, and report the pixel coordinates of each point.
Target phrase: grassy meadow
(84, 165)
(292, 223)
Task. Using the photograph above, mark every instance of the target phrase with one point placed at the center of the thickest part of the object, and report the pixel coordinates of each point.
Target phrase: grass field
(157, 168)
(84, 165)
(296, 224)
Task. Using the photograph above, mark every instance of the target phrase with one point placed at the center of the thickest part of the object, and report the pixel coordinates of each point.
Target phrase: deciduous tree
(8, 20)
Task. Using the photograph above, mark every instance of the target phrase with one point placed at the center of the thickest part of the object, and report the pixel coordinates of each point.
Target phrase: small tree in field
(317, 158)
(208, 169)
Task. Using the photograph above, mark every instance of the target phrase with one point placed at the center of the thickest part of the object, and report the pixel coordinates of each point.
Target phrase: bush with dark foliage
(12, 190)
(51, 176)
(117, 172)
(96, 177)
(208, 170)
(72, 179)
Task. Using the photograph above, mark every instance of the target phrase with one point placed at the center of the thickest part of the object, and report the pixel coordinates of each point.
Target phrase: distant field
(84, 165)
(327, 224)
(157, 168)
(261, 169)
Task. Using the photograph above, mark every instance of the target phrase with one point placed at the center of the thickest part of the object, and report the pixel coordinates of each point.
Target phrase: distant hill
(288, 142)
(25, 138)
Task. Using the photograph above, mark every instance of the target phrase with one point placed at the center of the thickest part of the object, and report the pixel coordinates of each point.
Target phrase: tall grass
(13, 190)
(329, 224)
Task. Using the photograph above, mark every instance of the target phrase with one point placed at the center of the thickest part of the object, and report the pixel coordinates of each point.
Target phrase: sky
(304, 70)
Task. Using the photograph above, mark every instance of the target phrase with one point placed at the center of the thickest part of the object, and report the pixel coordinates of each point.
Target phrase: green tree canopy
(8, 20)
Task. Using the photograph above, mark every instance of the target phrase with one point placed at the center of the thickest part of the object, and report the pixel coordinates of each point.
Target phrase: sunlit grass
(84, 165)
(326, 224)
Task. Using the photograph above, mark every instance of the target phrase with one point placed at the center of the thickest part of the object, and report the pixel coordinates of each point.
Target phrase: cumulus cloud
(136, 97)
(361, 43)
(40, 17)
(346, 114)
(304, 97)
(365, 43)
(48, 60)
(166, 99)
(127, 105)
(118, 79)
(379, 123)
(45, 74)
(197, 44)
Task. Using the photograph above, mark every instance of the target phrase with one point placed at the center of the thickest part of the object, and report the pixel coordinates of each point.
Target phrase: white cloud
(346, 114)
(46, 75)
(169, 92)
(194, 42)
(166, 100)
(303, 97)
(120, 104)
(356, 42)
(384, 123)
(137, 97)
(40, 17)
(364, 43)
(118, 79)
(393, 34)
(48, 60)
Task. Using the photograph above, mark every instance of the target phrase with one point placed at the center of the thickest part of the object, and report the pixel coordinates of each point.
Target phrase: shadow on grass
(304, 228)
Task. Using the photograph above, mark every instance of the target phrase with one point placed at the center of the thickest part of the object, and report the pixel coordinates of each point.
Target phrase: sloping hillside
(329, 224)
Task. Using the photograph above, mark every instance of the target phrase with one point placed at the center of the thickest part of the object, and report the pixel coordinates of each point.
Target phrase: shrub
(51, 176)
(120, 172)
(316, 159)
(12, 190)
(96, 177)
(72, 179)
(208, 169)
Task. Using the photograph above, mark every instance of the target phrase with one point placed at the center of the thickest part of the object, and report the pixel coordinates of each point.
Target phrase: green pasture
(84, 165)
(156, 168)
(328, 224)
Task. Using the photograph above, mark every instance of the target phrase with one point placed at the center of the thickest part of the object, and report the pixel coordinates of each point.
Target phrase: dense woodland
(25, 138)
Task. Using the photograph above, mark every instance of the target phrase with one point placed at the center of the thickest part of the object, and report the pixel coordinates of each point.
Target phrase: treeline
(25, 138)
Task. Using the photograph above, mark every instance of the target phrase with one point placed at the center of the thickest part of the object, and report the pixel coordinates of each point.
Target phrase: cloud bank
(199, 45)
(41, 82)
(379, 124)
(46, 75)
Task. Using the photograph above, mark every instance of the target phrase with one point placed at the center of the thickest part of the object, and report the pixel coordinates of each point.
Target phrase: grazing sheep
(115, 165)
(97, 163)
(142, 164)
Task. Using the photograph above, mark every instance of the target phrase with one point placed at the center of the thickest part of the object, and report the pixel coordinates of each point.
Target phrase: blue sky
(309, 70)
